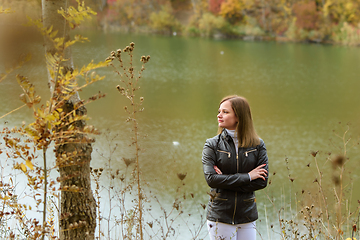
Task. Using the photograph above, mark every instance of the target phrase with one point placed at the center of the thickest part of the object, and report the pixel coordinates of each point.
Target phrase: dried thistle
(181, 176)
(145, 59)
(128, 161)
(338, 161)
(176, 205)
(313, 153)
(150, 224)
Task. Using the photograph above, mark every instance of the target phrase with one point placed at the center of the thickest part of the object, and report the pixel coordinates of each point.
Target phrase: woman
(235, 165)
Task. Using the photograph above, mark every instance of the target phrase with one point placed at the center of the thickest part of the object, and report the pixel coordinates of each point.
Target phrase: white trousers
(223, 231)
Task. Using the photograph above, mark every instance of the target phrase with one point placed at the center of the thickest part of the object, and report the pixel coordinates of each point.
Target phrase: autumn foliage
(307, 16)
(232, 10)
(215, 6)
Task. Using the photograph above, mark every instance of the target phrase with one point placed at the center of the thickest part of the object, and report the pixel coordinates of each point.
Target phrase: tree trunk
(77, 218)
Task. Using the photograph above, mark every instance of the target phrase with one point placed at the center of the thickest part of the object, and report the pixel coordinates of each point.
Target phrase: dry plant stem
(110, 208)
(339, 194)
(323, 196)
(130, 86)
(12, 111)
(109, 193)
(267, 223)
(165, 232)
(137, 163)
(98, 205)
(122, 199)
(45, 193)
(196, 232)
(45, 186)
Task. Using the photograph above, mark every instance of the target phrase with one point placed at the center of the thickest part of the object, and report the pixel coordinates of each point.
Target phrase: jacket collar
(224, 134)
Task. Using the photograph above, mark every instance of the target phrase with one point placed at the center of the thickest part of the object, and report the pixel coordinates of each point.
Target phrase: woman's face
(226, 116)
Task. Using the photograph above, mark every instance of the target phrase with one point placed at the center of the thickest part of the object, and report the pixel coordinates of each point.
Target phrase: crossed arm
(244, 182)
(258, 172)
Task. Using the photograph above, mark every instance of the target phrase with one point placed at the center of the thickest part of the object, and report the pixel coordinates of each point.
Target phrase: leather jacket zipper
(221, 199)
(228, 153)
(237, 168)
(253, 199)
(246, 153)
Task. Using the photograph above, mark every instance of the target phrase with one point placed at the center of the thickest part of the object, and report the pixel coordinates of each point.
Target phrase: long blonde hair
(245, 130)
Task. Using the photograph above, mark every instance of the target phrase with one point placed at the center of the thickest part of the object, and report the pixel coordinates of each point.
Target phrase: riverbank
(306, 23)
(242, 32)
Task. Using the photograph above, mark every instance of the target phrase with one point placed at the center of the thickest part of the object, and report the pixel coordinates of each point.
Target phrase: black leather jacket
(232, 197)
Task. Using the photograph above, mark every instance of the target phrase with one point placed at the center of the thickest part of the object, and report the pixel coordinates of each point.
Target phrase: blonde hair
(245, 130)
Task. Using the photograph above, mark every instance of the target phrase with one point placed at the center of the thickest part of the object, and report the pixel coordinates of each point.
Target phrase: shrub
(231, 10)
(210, 24)
(164, 21)
(346, 34)
(192, 31)
(248, 30)
(251, 28)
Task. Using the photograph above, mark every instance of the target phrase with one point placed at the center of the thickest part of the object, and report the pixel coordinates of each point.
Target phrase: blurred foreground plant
(326, 211)
(129, 85)
(59, 125)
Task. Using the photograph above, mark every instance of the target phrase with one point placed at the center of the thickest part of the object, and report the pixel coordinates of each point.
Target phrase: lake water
(299, 94)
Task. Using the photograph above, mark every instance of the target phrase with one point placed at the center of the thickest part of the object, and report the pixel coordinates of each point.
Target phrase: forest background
(325, 21)
(319, 21)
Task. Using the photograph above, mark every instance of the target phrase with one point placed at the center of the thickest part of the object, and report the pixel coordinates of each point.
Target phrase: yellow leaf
(53, 34)
(6, 10)
(50, 118)
(48, 31)
(6, 198)
(41, 113)
(29, 164)
(23, 167)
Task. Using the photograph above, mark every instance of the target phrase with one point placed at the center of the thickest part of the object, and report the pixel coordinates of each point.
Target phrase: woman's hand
(217, 170)
(258, 172)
